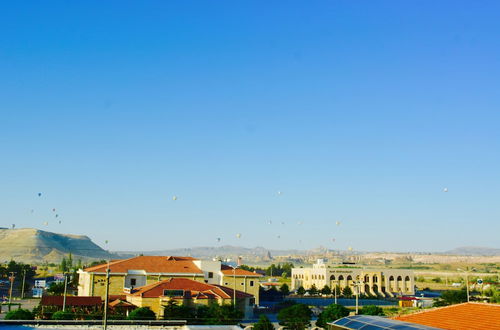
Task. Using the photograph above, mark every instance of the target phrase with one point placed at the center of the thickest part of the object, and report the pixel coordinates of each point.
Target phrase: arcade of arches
(376, 282)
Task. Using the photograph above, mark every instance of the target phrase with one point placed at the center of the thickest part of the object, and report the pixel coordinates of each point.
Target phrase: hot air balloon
(53, 210)
(39, 194)
(46, 223)
(279, 193)
(218, 239)
(445, 190)
(350, 248)
(238, 235)
(337, 223)
(174, 198)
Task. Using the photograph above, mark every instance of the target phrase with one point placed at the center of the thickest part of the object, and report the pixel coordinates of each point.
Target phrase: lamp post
(11, 278)
(466, 281)
(105, 316)
(357, 284)
(65, 290)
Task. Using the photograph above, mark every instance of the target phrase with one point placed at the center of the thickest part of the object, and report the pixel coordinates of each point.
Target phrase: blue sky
(357, 111)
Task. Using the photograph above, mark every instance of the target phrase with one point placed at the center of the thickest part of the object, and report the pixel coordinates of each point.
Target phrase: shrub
(296, 317)
(372, 310)
(263, 324)
(142, 313)
(19, 314)
(331, 313)
(60, 315)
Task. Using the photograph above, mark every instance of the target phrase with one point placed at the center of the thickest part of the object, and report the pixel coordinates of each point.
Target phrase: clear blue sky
(357, 111)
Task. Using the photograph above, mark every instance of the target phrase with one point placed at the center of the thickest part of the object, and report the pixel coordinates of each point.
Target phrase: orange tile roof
(464, 316)
(227, 270)
(150, 264)
(192, 289)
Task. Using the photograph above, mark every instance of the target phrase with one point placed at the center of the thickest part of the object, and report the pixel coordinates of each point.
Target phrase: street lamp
(357, 284)
(466, 280)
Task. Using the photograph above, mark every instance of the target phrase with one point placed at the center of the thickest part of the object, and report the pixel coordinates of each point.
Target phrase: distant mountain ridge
(474, 251)
(211, 252)
(31, 245)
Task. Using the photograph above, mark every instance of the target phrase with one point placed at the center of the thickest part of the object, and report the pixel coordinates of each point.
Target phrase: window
(173, 293)
(132, 282)
(251, 283)
(210, 275)
(226, 283)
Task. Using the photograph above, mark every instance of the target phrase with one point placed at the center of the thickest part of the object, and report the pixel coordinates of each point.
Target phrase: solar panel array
(367, 322)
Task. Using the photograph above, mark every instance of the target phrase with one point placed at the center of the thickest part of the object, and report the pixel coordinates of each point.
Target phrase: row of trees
(281, 269)
(326, 290)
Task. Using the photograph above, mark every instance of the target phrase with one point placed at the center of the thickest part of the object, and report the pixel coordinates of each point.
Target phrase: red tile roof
(192, 289)
(458, 317)
(150, 264)
(70, 301)
(227, 270)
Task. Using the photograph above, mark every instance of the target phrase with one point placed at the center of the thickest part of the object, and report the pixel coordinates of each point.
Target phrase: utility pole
(234, 288)
(24, 280)
(105, 318)
(12, 277)
(65, 289)
(335, 292)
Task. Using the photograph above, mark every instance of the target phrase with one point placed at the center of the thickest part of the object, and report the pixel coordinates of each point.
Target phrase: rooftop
(461, 316)
(190, 288)
(150, 264)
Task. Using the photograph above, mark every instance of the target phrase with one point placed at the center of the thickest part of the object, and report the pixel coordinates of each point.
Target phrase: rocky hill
(31, 245)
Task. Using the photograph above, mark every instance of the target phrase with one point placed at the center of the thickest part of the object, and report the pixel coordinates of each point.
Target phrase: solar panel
(368, 322)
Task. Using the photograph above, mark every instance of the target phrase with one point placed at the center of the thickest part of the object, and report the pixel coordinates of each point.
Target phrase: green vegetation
(174, 311)
(326, 290)
(213, 314)
(284, 289)
(60, 315)
(451, 297)
(20, 314)
(142, 313)
(56, 289)
(313, 290)
(296, 317)
(281, 269)
(330, 314)
(347, 292)
(372, 310)
(301, 291)
(263, 324)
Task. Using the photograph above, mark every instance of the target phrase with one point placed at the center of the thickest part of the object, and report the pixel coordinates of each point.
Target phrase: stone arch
(341, 277)
(332, 278)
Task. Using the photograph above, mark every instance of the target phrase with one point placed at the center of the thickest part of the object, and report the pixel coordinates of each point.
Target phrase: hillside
(474, 251)
(31, 245)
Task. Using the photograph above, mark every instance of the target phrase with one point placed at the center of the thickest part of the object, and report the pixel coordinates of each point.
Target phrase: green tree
(174, 311)
(64, 265)
(63, 315)
(301, 291)
(263, 324)
(347, 292)
(284, 289)
(330, 314)
(451, 297)
(372, 310)
(326, 290)
(142, 313)
(223, 315)
(19, 314)
(296, 317)
(56, 289)
(313, 290)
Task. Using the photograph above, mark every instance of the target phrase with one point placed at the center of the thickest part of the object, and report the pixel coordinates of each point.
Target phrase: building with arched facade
(371, 281)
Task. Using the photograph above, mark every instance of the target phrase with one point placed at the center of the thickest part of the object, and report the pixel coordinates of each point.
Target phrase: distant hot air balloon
(445, 190)
(350, 248)
(278, 236)
(53, 210)
(333, 239)
(106, 241)
(39, 194)
(59, 221)
(279, 193)
(270, 222)
(337, 223)
(218, 239)
(238, 235)
(32, 211)
(282, 222)
(174, 198)
(46, 223)
(57, 215)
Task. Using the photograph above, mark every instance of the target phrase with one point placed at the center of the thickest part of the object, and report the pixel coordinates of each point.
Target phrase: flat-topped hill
(31, 245)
